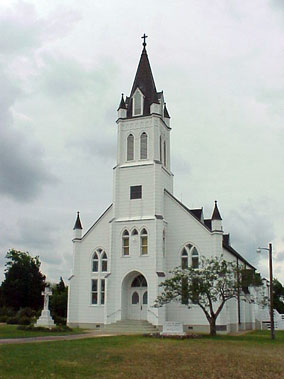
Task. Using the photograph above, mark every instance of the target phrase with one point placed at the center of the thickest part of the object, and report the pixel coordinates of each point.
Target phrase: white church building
(120, 261)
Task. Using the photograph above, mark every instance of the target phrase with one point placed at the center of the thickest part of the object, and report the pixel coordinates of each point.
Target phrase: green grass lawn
(251, 355)
(11, 331)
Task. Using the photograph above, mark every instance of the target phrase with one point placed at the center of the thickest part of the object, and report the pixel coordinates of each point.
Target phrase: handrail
(118, 310)
(149, 310)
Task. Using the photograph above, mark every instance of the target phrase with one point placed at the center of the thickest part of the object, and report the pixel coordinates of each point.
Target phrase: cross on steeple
(144, 38)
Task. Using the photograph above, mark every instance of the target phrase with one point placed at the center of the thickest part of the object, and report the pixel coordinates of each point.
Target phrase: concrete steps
(130, 327)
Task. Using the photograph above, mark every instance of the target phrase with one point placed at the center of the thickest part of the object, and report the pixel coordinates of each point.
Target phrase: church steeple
(144, 82)
(216, 223)
(77, 230)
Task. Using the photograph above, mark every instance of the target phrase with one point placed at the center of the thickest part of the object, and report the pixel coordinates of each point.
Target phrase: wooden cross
(144, 38)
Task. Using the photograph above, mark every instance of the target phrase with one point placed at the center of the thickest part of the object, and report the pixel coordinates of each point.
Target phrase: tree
(209, 286)
(23, 283)
(278, 296)
(58, 300)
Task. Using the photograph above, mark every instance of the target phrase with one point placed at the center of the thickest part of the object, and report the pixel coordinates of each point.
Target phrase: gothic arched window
(194, 258)
(144, 242)
(104, 262)
(143, 146)
(184, 258)
(137, 103)
(125, 243)
(134, 232)
(189, 251)
(95, 262)
(130, 147)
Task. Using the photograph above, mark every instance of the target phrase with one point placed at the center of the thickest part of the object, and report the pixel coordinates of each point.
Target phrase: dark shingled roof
(216, 214)
(78, 224)
(122, 104)
(208, 223)
(166, 113)
(145, 82)
(197, 213)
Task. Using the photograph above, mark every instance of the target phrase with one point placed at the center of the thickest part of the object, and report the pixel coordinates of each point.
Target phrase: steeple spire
(122, 103)
(216, 214)
(78, 224)
(145, 82)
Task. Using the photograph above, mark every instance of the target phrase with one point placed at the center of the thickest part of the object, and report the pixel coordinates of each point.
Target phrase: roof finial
(144, 38)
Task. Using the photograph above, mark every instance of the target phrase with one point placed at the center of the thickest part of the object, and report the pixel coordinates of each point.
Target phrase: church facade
(120, 261)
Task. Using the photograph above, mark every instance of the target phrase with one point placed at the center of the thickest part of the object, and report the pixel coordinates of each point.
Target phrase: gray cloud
(249, 228)
(21, 29)
(22, 169)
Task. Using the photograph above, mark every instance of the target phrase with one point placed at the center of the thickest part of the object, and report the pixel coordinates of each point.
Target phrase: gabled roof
(207, 225)
(78, 224)
(144, 80)
(216, 214)
(197, 213)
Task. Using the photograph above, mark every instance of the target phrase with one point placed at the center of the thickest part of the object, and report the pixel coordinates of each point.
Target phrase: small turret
(77, 230)
(216, 220)
(122, 109)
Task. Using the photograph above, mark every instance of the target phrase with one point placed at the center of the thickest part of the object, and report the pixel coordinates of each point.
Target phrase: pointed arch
(194, 258)
(125, 242)
(134, 232)
(137, 103)
(130, 147)
(143, 145)
(144, 241)
(104, 262)
(95, 262)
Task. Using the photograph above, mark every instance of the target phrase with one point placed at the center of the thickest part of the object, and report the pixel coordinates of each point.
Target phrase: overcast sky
(63, 67)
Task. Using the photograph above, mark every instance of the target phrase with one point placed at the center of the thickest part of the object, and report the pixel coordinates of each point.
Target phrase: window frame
(134, 100)
(125, 247)
(144, 146)
(129, 153)
(135, 192)
(143, 235)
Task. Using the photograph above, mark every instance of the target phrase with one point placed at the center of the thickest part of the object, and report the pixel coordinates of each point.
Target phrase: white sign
(173, 328)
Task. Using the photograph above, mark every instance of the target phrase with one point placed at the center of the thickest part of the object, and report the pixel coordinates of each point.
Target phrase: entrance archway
(134, 296)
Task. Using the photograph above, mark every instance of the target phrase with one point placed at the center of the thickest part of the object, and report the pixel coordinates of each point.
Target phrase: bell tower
(143, 168)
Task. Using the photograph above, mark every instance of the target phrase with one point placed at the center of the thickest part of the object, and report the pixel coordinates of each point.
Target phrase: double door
(138, 303)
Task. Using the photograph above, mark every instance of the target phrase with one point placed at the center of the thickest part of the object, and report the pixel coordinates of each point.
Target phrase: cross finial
(144, 38)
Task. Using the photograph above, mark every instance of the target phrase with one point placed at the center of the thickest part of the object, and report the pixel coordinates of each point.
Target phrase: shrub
(24, 320)
(33, 328)
(26, 312)
(7, 311)
(3, 318)
(12, 320)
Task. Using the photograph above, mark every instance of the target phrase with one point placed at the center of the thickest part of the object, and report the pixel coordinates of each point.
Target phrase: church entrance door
(138, 299)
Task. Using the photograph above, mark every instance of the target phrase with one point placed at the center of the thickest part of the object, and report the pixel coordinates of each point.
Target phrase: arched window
(145, 298)
(135, 298)
(161, 144)
(194, 258)
(130, 147)
(184, 259)
(95, 262)
(125, 243)
(189, 251)
(144, 242)
(165, 154)
(137, 103)
(139, 281)
(143, 146)
(134, 232)
(104, 262)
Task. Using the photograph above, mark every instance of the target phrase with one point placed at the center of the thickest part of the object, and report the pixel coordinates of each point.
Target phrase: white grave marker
(173, 328)
(45, 317)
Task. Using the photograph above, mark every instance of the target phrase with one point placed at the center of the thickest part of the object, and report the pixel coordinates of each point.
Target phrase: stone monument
(45, 317)
(172, 328)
